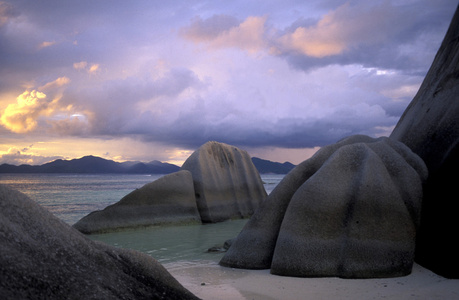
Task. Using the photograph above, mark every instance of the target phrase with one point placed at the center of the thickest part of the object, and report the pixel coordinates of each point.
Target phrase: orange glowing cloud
(22, 116)
(320, 41)
(46, 44)
(338, 31)
(80, 65)
(83, 65)
(93, 68)
(334, 33)
(61, 81)
(248, 35)
(328, 37)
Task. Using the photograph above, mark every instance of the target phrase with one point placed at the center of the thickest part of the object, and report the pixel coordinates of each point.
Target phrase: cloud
(80, 65)
(289, 132)
(73, 125)
(273, 117)
(223, 31)
(280, 108)
(6, 12)
(46, 44)
(59, 82)
(206, 30)
(83, 65)
(16, 156)
(261, 75)
(341, 30)
(23, 115)
(93, 68)
(121, 149)
(384, 35)
(117, 107)
(375, 34)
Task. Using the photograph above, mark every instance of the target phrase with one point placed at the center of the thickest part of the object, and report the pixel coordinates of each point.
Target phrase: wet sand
(208, 280)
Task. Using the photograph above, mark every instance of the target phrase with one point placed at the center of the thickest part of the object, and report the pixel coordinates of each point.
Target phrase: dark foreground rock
(226, 183)
(430, 127)
(352, 211)
(41, 257)
(170, 199)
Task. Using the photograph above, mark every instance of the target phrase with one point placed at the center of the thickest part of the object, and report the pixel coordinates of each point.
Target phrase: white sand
(208, 280)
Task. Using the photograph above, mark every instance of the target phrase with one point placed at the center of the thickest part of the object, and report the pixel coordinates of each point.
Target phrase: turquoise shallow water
(72, 196)
(172, 244)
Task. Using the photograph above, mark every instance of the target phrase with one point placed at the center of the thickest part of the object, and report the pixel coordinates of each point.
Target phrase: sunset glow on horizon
(153, 80)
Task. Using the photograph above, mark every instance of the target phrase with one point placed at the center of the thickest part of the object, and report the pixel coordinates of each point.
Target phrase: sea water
(72, 196)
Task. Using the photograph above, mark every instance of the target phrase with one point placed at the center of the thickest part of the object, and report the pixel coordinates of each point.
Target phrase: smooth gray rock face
(41, 257)
(430, 127)
(169, 199)
(226, 183)
(350, 211)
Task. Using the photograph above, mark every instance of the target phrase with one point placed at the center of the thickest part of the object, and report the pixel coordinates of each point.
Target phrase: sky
(154, 80)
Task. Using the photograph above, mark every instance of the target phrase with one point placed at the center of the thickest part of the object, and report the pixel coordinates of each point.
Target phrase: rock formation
(41, 257)
(170, 199)
(226, 183)
(430, 127)
(351, 211)
(216, 183)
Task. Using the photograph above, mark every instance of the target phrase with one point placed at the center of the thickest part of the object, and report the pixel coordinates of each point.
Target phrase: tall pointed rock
(430, 127)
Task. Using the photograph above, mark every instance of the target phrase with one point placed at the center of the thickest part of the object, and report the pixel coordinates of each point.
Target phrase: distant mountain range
(93, 165)
(266, 166)
(96, 165)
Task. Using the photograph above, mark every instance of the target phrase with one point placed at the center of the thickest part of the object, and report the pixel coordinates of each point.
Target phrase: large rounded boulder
(41, 257)
(167, 200)
(430, 127)
(226, 183)
(351, 210)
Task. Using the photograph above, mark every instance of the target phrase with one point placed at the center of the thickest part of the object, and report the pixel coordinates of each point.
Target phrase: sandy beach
(208, 280)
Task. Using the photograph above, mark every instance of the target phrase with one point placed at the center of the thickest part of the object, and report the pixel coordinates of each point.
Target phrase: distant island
(266, 166)
(93, 165)
(97, 165)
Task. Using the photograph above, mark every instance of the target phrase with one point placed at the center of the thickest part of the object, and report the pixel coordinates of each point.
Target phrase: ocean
(72, 196)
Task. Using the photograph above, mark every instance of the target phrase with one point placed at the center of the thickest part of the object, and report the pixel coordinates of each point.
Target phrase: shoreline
(208, 280)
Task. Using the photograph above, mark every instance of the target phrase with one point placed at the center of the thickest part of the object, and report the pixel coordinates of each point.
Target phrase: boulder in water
(226, 183)
(169, 199)
(41, 257)
(350, 211)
